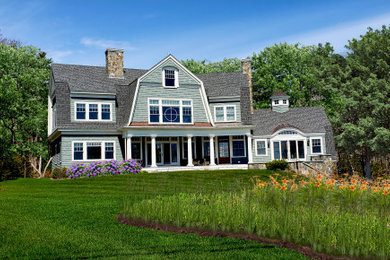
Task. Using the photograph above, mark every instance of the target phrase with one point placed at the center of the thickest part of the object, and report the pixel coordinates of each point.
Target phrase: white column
(128, 148)
(250, 157)
(153, 145)
(212, 156)
(189, 148)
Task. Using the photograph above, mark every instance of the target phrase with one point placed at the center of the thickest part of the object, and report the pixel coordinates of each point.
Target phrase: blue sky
(78, 32)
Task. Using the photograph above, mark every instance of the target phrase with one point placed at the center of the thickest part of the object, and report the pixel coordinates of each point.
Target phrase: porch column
(212, 156)
(128, 147)
(250, 157)
(189, 148)
(153, 145)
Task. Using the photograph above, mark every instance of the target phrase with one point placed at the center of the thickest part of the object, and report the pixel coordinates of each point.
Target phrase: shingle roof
(92, 78)
(279, 94)
(222, 84)
(306, 119)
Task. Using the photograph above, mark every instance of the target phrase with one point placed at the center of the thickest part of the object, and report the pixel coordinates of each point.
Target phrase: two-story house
(169, 117)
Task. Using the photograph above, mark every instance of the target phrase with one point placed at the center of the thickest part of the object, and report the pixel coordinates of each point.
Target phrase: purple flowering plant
(112, 167)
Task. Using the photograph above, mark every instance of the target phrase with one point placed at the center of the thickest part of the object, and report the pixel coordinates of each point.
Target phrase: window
(170, 111)
(276, 102)
(316, 145)
(77, 151)
(94, 151)
(261, 149)
(284, 101)
(238, 148)
(106, 112)
(219, 114)
(93, 111)
(80, 111)
(289, 150)
(169, 78)
(109, 150)
(225, 113)
(288, 132)
(136, 150)
(185, 148)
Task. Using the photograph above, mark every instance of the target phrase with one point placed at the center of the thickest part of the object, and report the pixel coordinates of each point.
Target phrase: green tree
(205, 66)
(24, 75)
(364, 120)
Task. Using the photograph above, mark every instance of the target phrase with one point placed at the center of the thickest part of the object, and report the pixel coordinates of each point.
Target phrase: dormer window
(169, 78)
(276, 102)
(284, 101)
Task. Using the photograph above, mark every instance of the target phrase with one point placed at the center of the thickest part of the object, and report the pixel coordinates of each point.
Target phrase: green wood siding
(185, 92)
(66, 148)
(238, 109)
(77, 100)
(260, 159)
(280, 108)
(156, 75)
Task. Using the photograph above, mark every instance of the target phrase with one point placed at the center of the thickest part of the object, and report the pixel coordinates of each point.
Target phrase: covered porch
(186, 149)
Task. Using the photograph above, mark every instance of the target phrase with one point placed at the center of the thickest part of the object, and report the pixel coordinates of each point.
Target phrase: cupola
(280, 102)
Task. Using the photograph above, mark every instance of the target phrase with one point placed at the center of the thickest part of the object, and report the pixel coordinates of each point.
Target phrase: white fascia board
(134, 101)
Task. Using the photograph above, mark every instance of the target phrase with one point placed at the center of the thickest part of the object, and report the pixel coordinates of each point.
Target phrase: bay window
(170, 111)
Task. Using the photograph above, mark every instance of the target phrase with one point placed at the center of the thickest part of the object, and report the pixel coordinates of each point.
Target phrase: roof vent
(114, 63)
(280, 102)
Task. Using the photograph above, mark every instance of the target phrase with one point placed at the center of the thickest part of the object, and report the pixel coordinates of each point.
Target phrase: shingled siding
(280, 108)
(66, 148)
(238, 109)
(79, 100)
(156, 75)
(145, 92)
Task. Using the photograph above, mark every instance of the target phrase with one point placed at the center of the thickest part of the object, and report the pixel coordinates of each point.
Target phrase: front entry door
(223, 150)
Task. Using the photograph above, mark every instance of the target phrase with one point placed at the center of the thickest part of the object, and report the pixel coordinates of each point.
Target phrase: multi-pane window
(84, 151)
(316, 145)
(93, 112)
(225, 113)
(106, 111)
(80, 111)
(289, 150)
(238, 146)
(276, 102)
(284, 101)
(261, 148)
(109, 150)
(169, 78)
(219, 114)
(77, 151)
(170, 111)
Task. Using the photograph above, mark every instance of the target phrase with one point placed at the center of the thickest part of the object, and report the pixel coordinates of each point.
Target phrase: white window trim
(231, 147)
(103, 151)
(225, 113)
(176, 77)
(311, 144)
(87, 112)
(280, 101)
(266, 147)
(160, 105)
(288, 149)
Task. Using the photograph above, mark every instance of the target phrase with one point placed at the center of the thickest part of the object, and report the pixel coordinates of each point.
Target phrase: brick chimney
(247, 70)
(114, 63)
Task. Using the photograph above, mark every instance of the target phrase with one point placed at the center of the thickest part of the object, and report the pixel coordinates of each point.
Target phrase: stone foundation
(323, 164)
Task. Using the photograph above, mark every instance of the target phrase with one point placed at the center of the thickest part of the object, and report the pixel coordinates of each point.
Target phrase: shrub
(59, 173)
(277, 165)
(103, 168)
(11, 168)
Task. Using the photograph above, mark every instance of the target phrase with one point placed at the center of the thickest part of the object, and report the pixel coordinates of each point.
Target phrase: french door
(289, 150)
(167, 152)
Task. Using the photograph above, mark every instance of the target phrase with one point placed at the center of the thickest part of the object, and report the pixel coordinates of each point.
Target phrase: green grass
(41, 218)
(336, 221)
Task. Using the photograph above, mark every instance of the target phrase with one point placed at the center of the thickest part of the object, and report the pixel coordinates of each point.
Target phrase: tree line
(354, 90)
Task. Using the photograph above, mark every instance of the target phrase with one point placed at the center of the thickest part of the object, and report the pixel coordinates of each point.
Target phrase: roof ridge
(94, 66)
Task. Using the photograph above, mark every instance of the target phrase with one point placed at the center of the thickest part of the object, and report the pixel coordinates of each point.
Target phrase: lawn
(42, 218)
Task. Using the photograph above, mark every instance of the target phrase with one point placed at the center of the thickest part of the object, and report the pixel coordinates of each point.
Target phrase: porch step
(198, 168)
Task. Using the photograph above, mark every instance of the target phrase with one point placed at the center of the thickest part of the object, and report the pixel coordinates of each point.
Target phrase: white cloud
(104, 44)
(339, 35)
(58, 56)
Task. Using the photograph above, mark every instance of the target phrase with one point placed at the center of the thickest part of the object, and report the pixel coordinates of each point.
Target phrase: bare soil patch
(304, 250)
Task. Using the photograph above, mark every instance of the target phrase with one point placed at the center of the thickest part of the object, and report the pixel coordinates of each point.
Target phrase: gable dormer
(170, 94)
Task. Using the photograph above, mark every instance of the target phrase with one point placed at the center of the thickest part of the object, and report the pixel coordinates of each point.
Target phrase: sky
(78, 32)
